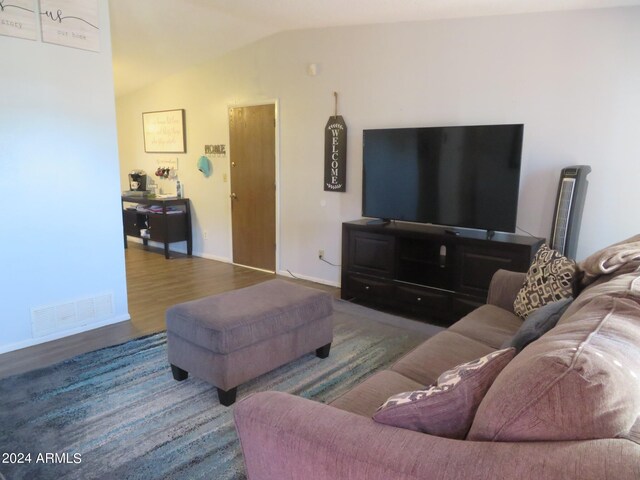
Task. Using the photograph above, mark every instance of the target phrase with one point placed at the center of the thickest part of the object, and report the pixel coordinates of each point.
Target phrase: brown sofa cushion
(447, 408)
(551, 277)
(579, 381)
(443, 351)
(488, 324)
(366, 397)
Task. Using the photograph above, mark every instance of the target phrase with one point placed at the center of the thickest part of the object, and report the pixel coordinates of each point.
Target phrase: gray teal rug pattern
(117, 413)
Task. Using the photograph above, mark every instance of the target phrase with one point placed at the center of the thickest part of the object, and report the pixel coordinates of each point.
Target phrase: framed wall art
(72, 23)
(18, 19)
(164, 131)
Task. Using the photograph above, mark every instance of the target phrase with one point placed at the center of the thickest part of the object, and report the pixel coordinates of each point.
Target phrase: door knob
(233, 195)
(233, 164)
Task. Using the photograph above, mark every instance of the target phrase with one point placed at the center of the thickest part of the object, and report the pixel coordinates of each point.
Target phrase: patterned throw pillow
(550, 278)
(447, 408)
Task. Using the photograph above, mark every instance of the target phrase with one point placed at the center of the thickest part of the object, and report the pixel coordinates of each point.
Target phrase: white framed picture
(18, 19)
(164, 131)
(72, 23)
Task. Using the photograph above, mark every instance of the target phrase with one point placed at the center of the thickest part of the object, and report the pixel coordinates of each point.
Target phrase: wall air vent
(50, 319)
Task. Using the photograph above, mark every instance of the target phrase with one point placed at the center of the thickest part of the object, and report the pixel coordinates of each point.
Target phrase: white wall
(61, 234)
(572, 78)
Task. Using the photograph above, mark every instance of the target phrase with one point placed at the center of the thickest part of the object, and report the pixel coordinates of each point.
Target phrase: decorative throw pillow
(538, 323)
(447, 408)
(550, 278)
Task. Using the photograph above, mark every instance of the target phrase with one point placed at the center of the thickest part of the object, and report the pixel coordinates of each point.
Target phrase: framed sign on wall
(18, 19)
(335, 155)
(72, 23)
(164, 131)
(335, 152)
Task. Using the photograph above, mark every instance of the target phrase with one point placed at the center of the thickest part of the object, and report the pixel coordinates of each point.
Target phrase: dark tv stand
(423, 269)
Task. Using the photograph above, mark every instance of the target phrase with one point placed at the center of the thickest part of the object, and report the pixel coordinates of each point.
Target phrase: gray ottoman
(236, 336)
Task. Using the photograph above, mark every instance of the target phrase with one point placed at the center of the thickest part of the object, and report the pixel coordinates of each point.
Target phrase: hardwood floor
(153, 285)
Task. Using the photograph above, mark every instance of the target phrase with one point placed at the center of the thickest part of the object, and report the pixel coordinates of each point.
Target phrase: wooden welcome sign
(335, 154)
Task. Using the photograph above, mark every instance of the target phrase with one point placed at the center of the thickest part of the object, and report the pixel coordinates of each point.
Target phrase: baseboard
(65, 333)
(183, 250)
(286, 273)
(212, 257)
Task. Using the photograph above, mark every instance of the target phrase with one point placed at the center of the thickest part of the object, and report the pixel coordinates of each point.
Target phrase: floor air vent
(64, 316)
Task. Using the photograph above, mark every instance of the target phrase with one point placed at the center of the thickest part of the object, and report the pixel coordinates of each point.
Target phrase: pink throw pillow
(447, 408)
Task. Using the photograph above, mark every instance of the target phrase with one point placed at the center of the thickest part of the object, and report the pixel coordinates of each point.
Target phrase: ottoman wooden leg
(323, 352)
(178, 373)
(227, 397)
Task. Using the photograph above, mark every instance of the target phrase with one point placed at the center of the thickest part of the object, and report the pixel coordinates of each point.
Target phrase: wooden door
(253, 185)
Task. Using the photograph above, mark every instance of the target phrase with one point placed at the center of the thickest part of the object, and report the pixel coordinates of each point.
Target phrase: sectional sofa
(566, 407)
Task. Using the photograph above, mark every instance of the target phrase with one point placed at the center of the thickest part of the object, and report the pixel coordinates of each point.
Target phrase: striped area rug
(117, 413)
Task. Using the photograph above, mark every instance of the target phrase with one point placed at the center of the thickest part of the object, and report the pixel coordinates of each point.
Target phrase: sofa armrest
(289, 437)
(504, 288)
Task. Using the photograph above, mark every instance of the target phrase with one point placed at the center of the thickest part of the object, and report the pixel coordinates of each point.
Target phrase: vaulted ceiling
(152, 39)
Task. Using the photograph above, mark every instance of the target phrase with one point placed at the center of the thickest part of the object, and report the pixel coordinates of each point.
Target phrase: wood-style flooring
(153, 285)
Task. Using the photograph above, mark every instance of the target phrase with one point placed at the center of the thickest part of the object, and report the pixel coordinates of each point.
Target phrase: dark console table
(161, 226)
(425, 270)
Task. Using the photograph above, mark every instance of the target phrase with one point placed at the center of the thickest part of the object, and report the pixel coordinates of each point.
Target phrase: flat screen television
(454, 176)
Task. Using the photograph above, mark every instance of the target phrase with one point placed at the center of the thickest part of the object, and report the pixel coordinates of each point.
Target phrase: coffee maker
(138, 181)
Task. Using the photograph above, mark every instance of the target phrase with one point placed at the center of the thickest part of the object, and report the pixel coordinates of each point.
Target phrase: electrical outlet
(320, 254)
(205, 234)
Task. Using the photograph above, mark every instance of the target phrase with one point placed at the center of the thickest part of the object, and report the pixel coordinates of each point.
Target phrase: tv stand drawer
(365, 287)
(421, 298)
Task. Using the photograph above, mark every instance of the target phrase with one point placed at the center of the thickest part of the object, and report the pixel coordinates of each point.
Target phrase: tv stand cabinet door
(371, 253)
(477, 264)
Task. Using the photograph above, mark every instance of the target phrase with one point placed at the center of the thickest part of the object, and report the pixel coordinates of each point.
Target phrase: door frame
(276, 104)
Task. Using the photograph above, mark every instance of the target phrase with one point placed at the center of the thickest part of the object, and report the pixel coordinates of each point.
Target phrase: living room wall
(570, 77)
(61, 221)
